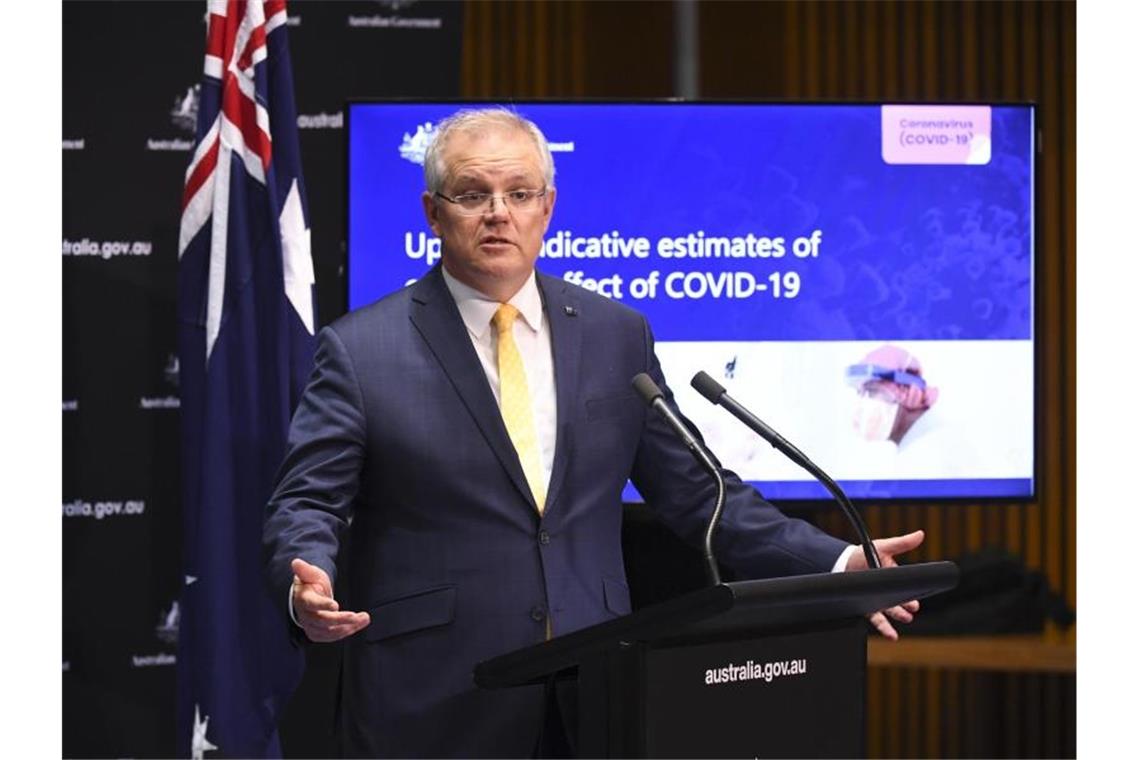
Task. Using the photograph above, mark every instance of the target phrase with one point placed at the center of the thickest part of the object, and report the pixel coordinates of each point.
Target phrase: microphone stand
(653, 396)
(715, 392)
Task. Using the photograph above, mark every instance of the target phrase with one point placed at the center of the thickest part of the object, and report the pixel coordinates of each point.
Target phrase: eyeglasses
(474, 204)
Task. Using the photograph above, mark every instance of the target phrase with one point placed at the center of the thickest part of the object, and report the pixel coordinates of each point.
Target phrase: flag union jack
(237, 125)
(246, 320)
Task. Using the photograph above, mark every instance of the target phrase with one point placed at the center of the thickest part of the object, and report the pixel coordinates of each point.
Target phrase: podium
(763, 668)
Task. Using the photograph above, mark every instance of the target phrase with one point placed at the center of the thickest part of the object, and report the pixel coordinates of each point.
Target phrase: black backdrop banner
(130, 71)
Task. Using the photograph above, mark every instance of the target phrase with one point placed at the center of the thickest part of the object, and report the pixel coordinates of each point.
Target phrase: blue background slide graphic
(903, 252)
(906, 252)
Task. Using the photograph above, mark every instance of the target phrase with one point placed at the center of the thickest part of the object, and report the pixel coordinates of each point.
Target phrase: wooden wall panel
(869, 50)
(567, 49)
(1066, 102)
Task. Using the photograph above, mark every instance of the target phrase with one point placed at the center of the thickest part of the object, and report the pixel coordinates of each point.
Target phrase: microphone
(715, 392)
(654, 398)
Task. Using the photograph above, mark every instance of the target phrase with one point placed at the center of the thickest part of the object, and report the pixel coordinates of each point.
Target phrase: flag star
(296, 251)
(199, 744)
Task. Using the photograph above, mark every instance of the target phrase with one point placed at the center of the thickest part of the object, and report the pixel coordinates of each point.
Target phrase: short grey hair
(480, 120)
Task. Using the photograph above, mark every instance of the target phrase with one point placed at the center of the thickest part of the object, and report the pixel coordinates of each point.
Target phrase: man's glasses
(474, 204)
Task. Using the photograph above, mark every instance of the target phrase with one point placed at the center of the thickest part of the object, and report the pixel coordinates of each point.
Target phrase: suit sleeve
(754, 538)
(319, 478)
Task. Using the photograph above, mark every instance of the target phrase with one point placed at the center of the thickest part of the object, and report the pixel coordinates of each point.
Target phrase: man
(892, 394)
(899, 432)
(477, 454)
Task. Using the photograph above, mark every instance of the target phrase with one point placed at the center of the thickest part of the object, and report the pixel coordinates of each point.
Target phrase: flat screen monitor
(860, 276)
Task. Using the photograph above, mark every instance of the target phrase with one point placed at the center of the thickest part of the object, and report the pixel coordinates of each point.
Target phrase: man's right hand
(315, 608)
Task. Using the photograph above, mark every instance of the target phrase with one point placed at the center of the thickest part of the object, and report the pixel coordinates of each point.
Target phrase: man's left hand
(888, 549)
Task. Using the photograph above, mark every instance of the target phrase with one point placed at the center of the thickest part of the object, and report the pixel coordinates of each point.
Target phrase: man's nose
(497, 208)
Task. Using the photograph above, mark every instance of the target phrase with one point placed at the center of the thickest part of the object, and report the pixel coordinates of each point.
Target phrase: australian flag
(246, 312)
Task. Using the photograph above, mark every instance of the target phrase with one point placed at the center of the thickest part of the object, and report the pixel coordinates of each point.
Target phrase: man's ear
(431, 211)
(911, 397)
(548, 208)
(917, 398)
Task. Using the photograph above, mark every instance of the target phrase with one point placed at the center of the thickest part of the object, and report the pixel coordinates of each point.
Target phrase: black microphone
(714, 392)
(653, 396)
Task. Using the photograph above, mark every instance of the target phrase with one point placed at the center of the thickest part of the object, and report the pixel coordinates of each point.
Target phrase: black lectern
(767, 668)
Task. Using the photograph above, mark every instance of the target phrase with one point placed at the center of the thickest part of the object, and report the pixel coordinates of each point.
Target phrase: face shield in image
(890, 393)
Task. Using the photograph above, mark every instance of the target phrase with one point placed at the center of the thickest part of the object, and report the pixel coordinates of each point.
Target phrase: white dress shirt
(532, 336)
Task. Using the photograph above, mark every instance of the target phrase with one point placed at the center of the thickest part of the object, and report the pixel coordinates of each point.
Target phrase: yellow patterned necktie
(515, 404)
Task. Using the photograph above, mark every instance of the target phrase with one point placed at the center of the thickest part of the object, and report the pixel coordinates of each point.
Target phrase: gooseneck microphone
(653, 396)
(714, 392)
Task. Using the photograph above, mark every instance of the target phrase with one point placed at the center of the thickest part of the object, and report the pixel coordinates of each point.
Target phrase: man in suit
(472, 433)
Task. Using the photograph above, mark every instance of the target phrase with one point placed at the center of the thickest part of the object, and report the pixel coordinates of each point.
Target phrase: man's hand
(888, 549)
(316, 609)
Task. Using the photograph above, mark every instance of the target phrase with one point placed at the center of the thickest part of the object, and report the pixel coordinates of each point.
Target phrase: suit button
(543, 537)
(537, 614)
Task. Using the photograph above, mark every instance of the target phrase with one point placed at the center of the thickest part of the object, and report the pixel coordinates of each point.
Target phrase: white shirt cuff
(292, 616)
(839, 566)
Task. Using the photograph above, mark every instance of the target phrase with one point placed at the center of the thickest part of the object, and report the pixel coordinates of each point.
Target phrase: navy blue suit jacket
(398, 439)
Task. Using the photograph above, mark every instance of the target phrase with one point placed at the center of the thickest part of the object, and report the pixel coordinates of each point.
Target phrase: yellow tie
(515, 404)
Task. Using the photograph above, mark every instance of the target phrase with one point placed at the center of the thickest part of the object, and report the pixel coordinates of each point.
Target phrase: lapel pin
(570, 311)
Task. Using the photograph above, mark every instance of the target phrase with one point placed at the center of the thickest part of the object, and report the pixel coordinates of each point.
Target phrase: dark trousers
(559, 720)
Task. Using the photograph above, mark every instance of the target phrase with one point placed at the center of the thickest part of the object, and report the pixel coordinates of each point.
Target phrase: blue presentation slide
(860, 276)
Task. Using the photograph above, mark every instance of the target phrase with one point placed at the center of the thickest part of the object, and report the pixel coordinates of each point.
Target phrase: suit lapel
(436, 317)
(566, 343)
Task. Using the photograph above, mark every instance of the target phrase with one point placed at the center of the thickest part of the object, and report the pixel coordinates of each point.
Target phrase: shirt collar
(477, 309)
